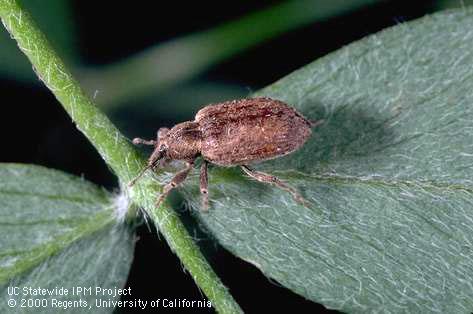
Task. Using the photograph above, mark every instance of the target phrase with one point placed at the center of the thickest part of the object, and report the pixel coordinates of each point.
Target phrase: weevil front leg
(204, 185)
(267, 178)
(175, 182)
(153, 161)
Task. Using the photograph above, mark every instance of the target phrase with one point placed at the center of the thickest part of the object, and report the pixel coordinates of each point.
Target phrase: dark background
(35, 129)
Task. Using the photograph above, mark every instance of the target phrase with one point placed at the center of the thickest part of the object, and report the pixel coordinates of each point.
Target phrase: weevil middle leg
(204, 184)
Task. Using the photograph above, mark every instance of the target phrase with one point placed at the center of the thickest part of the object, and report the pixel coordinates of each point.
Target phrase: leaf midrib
(42, 252)
(76, 199)
(426, 184)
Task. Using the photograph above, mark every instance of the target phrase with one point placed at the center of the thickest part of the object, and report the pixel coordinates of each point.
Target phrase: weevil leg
(153, 163)
(175, 182)
(267, 178)
(164, 162)
(138, 141)
(204, 184)
(315, 123)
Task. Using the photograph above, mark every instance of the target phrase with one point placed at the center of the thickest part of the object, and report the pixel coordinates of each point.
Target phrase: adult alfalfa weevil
(232, 133)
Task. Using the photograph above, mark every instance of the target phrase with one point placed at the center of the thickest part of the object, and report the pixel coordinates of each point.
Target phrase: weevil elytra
(232, 133)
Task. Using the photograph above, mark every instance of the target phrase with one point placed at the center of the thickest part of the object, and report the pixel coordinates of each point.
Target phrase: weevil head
(182, 142)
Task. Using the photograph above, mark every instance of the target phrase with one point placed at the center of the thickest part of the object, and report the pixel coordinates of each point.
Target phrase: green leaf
(388, 174)
(61, 231)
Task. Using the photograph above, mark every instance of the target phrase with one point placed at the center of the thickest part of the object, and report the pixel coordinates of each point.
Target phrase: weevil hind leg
(175, 182)
(204, 185)
(267, 178)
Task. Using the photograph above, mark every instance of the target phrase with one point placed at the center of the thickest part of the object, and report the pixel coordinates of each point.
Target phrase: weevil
(232, 133)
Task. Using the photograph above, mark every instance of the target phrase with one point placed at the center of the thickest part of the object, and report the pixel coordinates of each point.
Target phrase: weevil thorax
(182, 142)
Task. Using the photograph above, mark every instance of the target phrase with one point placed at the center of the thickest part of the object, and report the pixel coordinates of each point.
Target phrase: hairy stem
(113, 147)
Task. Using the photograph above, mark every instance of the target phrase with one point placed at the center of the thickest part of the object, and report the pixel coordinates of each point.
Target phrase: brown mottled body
(245, 131)
(233, 133)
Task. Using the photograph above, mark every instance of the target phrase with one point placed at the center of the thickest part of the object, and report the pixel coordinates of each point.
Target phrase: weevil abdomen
(250, 130)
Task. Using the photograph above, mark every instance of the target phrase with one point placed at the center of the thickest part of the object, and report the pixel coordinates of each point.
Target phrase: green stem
(113, 147)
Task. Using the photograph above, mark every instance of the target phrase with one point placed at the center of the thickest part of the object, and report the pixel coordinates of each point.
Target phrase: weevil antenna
(155, 158)
(132, 182)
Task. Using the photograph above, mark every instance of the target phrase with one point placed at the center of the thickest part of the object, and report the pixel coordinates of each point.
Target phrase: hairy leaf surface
(389, 175)
(57, 230)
